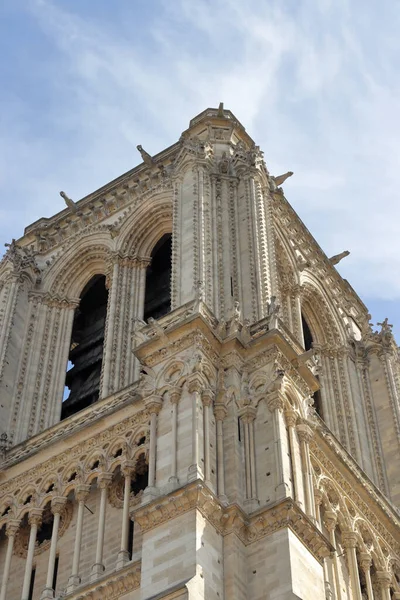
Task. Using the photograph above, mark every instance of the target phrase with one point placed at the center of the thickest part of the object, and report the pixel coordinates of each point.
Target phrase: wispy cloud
(315, 84)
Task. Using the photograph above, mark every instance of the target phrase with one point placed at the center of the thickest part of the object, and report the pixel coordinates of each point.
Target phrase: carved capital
(304, 432)
(175, 395)
(365, 561)
(248, 414)
(196, 383)
(104, 480)
(275, 401)
(207, 397)
(330, 520)
(153, 404)
(349, 539)
(384, 579)
(12, 527)
(82, 492)
(220, 411)
(127, 468)
(57, 504)
(291, 418)
(35, 516)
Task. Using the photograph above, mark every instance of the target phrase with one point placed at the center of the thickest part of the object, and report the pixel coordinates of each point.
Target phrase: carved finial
(334, 260)
(220, 110)
(70, 203)
(385, 326)
(146, 156)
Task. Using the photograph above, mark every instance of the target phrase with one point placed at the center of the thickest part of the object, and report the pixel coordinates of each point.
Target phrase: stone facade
(262, 407)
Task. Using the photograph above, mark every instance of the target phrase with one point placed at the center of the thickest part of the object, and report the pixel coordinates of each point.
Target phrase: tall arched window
(157, 301)
(308, 342)
(86, 350)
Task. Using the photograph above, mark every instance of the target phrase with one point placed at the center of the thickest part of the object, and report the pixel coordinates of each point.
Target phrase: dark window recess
(86, 353)
(55, 573)
(157, 301)
(46, 529)
(32, 584)
(141, 477)
(308, 343)
(130, 538)
(308, 339)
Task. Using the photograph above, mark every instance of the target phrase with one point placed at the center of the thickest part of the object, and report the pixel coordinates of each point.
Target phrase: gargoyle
(281, 178)
(334, 260)
(147, 159)
(70, 203)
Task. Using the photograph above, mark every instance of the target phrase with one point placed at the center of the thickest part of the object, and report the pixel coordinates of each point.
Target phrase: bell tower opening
(308, 344)
(86, 350)
(157, 301)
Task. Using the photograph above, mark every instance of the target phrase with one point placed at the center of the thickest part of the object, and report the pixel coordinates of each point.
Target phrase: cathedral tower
(193, 402)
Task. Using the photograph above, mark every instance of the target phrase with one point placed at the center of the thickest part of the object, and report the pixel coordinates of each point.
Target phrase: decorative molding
(228, 519)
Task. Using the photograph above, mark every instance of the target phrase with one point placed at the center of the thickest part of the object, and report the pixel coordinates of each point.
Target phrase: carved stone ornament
(22, 537)
(231, 519)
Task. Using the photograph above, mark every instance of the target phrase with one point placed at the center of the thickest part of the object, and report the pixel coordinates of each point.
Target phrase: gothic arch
(146, 225)
(69, 274)
(319, 313)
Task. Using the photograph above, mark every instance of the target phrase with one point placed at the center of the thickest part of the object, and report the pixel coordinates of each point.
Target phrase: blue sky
(316, 84)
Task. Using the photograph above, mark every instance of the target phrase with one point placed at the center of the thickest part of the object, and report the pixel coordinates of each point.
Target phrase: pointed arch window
(308, 344)
(86, 350)
(157, 301)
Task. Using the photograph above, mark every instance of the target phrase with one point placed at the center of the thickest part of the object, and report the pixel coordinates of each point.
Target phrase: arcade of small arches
(37, 516)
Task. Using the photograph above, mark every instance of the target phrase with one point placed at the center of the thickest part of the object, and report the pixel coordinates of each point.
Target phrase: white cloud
(304, 79)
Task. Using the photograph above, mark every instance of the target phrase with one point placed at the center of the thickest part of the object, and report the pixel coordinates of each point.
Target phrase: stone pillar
(153, 404)
(291, 419)
(174, 397)
(220, 414)
(207, 398)
(11, 529)
(330, 520)
(106, 382)
(195, 471)
(275, 403)
(366, 562)
(247, 415)
(349, 540)
(123, 554)
(384, 579)
(57, 505)
(81, 493)
(104, 481)
(305, 434)
(35, 520)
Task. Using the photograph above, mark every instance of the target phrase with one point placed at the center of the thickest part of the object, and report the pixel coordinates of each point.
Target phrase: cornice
(110, 587)
(73, 424)
(232, 519)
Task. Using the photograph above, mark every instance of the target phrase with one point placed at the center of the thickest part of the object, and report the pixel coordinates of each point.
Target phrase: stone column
(275, 403)
(194, 471)
(106, 382)
(104, 481)
(57, 505)
(305, 434)
(153, 404)
(330, 520)
(35, 520)
(349, 540)
(123, 554)
(220, 414)
(291, 419)
(247, 415)
(174, 397)
(207, 398)
(366, 562)
(384, 579)
(11, 529)
(81, 493)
